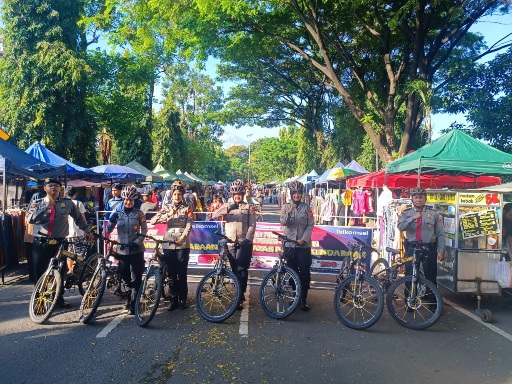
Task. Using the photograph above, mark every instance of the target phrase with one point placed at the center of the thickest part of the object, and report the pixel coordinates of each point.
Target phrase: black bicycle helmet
(237, 186)
(130, 192)
(417, 191)
(296, 187)
(178, 185)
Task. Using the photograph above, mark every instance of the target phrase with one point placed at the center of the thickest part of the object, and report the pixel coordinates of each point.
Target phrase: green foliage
(44, 78)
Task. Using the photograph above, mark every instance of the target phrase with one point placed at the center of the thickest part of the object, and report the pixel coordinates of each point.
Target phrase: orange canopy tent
(379, 179)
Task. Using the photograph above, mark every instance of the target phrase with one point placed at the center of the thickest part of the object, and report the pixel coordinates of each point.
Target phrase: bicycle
(414, 301)
(82, 271)
(152, 286)
(280, 290)
(218, 291)
(386, 274)
(106, 275)
(46, 291)
(358, 300)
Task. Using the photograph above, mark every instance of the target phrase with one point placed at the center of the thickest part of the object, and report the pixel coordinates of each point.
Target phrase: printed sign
(479, 223)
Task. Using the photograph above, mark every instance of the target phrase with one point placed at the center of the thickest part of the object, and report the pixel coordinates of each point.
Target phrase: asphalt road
(181, 347)
(249, 347)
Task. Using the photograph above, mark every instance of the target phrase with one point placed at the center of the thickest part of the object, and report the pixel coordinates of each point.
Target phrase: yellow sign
(3, 135)
(479, 198)
(441, 197)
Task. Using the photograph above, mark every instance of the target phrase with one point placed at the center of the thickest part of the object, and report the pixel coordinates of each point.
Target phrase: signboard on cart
(479, 223)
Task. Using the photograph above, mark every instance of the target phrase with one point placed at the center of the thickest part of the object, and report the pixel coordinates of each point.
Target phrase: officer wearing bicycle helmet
(179, 219)
(130, 222)
(240, 225)
(425, 224)
(297, 218)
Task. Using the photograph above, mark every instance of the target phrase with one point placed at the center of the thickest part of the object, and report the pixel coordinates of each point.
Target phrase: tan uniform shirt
(179, 219)
(299, 223)
(432, 228)
(240, 223)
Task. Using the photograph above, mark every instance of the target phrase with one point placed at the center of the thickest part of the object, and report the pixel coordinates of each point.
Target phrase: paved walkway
(13, 274)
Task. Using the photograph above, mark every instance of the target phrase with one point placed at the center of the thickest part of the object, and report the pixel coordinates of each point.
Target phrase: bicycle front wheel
(148, 297)
(44, 297)
(416, 306)
(217, 295)
(92, 297)
(359, 302)
(380, 272)
(86, 272)
(280, 293)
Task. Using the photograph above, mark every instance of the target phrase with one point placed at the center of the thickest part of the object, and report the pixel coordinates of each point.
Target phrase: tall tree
(368, 51)
(44, 77)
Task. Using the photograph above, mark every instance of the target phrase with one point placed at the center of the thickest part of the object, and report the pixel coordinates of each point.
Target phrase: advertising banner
(329, 244)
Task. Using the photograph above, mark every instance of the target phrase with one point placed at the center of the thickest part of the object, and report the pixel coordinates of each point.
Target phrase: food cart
(473, 227)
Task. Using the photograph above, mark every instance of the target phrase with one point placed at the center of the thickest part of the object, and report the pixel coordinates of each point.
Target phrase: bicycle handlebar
(362, 244)
(283, 238)
(170, 242)
(108, 240)
(222, 236)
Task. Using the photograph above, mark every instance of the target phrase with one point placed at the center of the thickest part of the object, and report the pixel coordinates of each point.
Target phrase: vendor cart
(473, 227)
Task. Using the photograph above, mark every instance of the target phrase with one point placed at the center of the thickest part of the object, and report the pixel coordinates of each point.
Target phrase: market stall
(472, 220)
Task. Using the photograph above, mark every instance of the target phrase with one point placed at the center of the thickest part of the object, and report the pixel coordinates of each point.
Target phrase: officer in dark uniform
(50, 216)
(240, 224)
(429, 230)
(130, 222)
(297, 217)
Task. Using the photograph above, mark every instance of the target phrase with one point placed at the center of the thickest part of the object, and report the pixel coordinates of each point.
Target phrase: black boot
(127, 303)
(173, 305)
(183, 304)
(304, 305)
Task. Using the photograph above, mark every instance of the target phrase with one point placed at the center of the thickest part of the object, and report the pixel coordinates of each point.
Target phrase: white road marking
(244, 317)
(110, 326)
(476, 318)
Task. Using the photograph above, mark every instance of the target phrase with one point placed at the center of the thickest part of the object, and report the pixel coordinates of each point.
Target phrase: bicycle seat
(392, 251)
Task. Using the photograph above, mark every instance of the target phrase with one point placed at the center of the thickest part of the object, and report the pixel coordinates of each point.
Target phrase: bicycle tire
(344, 269)
(359, 304)
(280, 293)
(87, 271)
(44, 296)
(380, 272)
(217, 295)
(148, 297)
(92, 297)
(414, 312)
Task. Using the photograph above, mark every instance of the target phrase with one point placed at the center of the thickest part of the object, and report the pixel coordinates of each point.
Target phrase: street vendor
(423, 224)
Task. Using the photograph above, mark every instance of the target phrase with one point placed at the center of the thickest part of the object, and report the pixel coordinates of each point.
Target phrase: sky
(492, 28)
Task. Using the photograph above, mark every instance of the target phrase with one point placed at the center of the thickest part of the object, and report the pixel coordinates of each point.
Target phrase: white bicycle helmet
(237, 186)
(296, 187)
(130, 192)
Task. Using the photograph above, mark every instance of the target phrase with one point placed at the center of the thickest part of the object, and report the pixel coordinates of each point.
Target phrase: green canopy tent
(168, 176)
(151, 177)
(454, 153)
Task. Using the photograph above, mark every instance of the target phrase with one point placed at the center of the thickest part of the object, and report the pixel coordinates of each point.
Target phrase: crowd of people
(60, 215)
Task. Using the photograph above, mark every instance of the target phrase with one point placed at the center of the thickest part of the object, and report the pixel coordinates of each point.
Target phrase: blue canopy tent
(116, 172)
(42, 153)
(14, 163)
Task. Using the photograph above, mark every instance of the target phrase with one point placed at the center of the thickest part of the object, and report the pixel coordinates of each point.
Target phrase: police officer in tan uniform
(297, 219)
(179, 219)
(240, 224)
(130, 222)
(50, 216)
(431, 231)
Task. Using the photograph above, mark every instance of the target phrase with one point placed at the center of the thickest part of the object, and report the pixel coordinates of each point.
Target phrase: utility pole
(249, 176)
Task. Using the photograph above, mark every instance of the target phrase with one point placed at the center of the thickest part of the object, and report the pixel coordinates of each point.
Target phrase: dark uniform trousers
(299, 259)
(132, 267)
(42, 253)
(240, 262)
(429, 264)
(177, 266)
